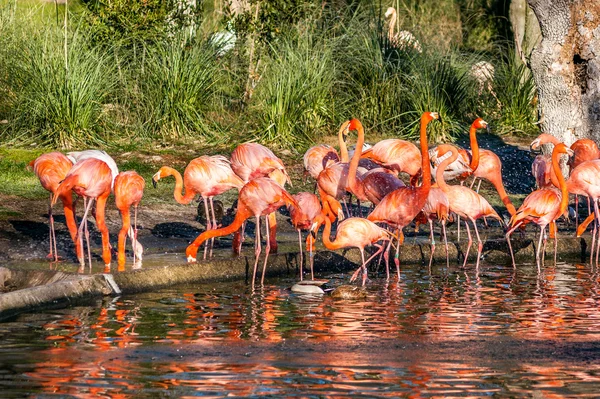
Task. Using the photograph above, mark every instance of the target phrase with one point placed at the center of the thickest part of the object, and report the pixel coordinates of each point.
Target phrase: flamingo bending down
(543, 207)
(303, 217)
(129, 189)
(259, 197)
(207, 176)
(77, 156)
(400, 207)
(252, 160)
(357, 233)
(464, 202)
(91, 179)
(398, 155)
(51, 169)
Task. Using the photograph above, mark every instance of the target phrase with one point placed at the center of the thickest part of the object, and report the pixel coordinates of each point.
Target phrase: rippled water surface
(445, 333)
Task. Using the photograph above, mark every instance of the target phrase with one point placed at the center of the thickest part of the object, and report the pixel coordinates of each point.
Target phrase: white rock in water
(307, 289)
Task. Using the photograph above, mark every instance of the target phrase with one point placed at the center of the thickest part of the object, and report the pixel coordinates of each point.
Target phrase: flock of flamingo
(368, 174)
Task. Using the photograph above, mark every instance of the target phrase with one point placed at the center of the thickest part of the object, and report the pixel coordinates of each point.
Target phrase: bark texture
(566, 67)
(525, 26)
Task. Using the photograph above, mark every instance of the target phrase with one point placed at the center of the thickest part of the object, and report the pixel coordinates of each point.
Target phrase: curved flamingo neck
(474, 147)
(426, 169)
(439, 173)
(564, 201)
(392, 26)
(353, 184)
(343, 149)
(548, 139)
(177, 192)
(326, 236)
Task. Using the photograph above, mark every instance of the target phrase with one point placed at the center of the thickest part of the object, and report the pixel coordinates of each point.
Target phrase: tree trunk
(526, 29)
(566, 67)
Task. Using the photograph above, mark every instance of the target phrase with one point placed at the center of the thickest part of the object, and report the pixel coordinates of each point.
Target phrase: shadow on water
(449, 332)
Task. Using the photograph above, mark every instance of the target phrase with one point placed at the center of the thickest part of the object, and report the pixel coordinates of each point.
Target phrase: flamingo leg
(214, 226)
(208, 225)
(507, 236)
(364, 266)
(470, 242)
(472, 183)
(257, 249)
(597, 214)
(445, 243)
(301, 256)
(537, 252)
(82, 228)
(386, 256)
(594, 231)
(478, 186)
(458, 222)
(432, 243)
(53, 252)
(267, 250)
(397, 257)
(576, 211)
(311, 256)
(479, 244)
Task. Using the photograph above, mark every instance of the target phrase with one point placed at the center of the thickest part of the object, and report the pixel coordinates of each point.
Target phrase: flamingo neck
(439, 173)
(353, 184)
(178, 191)
(326, 235)
(564, 201)
(426, 169)
(474, 148)
(392, 26)
(343, 149)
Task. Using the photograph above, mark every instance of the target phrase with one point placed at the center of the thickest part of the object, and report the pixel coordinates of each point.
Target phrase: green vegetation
(131, 74)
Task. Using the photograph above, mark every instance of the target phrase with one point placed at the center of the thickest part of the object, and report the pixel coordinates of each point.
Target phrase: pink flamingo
(129, 189)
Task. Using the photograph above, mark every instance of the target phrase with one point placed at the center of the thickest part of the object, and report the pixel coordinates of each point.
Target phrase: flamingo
(403, 39)
(398, 155)
(585, 180)
(303, 217)
(207, 176)
(76, 156)
(129, 189)
(252, 160)
(583, 150)
(400, 207)
(91, 179)
(51, 169)
(356, 233)
(463, 201)
(543, 206)
(259, 197)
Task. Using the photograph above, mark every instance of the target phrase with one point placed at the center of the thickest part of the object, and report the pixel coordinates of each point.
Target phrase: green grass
(15, 179)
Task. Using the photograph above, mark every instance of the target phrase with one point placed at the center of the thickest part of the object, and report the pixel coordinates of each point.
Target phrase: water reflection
(223, 339)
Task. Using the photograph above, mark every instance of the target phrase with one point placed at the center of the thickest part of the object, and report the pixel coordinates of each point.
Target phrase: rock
(349, 292)
(307, 289)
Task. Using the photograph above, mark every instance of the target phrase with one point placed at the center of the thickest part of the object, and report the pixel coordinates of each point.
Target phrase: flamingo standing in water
(129, 189)
(259, 197)
(51, 169)
(252, 160)
(436, 208)
(400, 207)
(463, 201)
(543, 207)
(207, 176)
(91, 179)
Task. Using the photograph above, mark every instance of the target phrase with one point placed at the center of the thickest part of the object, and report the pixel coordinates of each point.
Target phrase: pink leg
(537, 252)
(257, 249)
(267, 250)
(214, 226)
(508, 234)
(301, 256)
(432, 243)
(208, 225)
(468, 244)
(576, 211)
(445, 242)
(479, 244)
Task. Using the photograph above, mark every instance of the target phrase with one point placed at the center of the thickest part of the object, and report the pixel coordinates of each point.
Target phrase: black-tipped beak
(313, 234)
(154, 183)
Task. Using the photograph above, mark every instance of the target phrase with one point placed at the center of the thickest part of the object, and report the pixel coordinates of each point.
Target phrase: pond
(448, 332)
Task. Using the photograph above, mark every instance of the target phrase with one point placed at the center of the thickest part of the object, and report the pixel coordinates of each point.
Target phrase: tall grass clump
(293, 101)
(516, 90)
(176, 87)
(54, 101)
(434, 83)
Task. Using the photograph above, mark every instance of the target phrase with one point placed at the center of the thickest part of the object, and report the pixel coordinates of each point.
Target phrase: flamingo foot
(191, 259)
(107, 268)
(355, 274)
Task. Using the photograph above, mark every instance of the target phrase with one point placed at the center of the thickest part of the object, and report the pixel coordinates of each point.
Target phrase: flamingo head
(429, 116)
(354, 124)
(562, 148)
(158, 175)
(479, 123)
(542, 139)
(390, 11)
(345, 129)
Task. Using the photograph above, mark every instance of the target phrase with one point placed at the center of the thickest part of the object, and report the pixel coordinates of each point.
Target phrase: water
(448, 333)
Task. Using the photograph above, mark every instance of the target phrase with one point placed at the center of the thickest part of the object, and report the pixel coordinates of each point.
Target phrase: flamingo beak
(155, 179)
